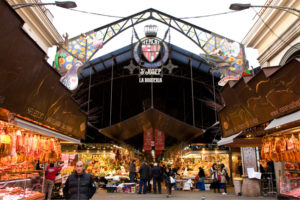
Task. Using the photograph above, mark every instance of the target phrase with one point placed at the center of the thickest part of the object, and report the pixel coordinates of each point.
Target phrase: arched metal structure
(230, 53)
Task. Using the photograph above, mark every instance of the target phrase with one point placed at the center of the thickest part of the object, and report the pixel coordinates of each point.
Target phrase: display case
(289, 180)
(25, 185)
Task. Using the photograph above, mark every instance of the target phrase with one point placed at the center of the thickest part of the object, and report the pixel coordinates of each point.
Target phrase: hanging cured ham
(281, 148)
(19, 146)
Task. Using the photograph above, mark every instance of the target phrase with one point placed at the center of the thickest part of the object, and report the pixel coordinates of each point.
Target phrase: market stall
(107, 163)
(188, 160)
(283, 148)
(20, 150)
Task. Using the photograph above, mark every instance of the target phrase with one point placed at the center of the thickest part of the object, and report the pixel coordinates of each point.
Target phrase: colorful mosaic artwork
(231, 53)
(72, 55)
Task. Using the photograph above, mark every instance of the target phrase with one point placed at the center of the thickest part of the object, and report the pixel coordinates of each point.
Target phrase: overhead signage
(151, 53)
(267, 96)
(159, 140)
(148, 136)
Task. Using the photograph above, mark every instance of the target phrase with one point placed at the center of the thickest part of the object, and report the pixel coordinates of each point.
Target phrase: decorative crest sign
(150, 53)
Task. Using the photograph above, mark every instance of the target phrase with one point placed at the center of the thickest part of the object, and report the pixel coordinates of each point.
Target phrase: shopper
(215, 177)
(144, 174)
(157, 178)
(240, 168)
(169, 176)
(79, 185)
(223, 178)
(175, 170)
(149, 177)
(51, 172)
(201, 175)
(132, 171)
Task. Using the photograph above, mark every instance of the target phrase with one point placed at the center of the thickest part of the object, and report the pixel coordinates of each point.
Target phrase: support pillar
(251, 187)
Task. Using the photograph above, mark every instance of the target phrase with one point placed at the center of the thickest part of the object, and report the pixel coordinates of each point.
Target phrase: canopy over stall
(273, 92)
(174, 129)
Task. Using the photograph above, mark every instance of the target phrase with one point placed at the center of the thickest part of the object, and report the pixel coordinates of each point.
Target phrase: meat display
(294, 193)
(20, 145)
(282, 148)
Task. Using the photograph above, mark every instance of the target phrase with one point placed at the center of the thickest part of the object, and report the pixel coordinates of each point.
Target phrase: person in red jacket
(51, 172)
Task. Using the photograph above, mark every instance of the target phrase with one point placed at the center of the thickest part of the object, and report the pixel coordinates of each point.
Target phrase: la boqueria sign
(272, 93)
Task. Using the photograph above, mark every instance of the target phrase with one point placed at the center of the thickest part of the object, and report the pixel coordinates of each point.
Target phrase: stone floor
(178, 195)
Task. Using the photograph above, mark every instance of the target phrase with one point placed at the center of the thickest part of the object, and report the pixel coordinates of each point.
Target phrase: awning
(28, 125)
(228, 140)
(284, 120)
(152, 118)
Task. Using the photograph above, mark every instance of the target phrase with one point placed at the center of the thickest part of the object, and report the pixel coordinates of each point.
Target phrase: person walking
(201, 175)
(149, 178)
(79, 185)
(223, 178)
(215, 177)
(51, 172)
(157, 178)
(168, 176)
(144, 175)
(132, 171)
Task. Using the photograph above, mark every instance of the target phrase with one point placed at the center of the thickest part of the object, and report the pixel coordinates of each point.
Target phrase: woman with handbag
(224, 177)
(169, 179)
(215, 177)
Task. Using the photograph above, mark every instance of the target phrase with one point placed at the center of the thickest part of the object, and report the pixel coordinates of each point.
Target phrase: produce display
(67, 170)
(107, 162)
(281, 148)
(189, 167)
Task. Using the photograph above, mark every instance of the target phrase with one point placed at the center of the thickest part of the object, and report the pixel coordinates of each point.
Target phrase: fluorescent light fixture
(28, 125)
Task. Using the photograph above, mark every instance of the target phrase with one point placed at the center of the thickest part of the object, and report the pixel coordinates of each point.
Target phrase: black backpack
(227, 176)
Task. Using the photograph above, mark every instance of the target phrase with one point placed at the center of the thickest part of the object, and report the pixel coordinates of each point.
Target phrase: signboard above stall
(272, 93)
(29, 86)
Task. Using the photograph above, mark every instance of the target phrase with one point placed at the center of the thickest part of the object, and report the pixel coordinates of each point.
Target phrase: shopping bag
(172, 180)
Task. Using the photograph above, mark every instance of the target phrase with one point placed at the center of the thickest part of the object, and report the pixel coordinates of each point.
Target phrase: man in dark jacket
(132, 171)
(79, 185)
(157, 178)
(144, 175)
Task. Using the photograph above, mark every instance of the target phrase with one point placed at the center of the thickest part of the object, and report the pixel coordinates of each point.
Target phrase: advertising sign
(159, 140)
(148, 135)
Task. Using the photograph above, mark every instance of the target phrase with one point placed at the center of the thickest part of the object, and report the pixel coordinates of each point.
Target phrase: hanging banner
(159, 140)
(148, 135)
(158, 153)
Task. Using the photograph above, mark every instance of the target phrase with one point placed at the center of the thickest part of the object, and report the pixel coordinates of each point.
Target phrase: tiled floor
(178, 195)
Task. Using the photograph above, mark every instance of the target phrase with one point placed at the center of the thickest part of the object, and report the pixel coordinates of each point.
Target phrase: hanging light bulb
(19, 132)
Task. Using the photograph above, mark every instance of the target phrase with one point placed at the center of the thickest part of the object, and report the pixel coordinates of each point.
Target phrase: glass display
(290, 180)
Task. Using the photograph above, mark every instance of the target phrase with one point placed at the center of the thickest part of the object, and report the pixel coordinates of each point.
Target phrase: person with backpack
(224, 178)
